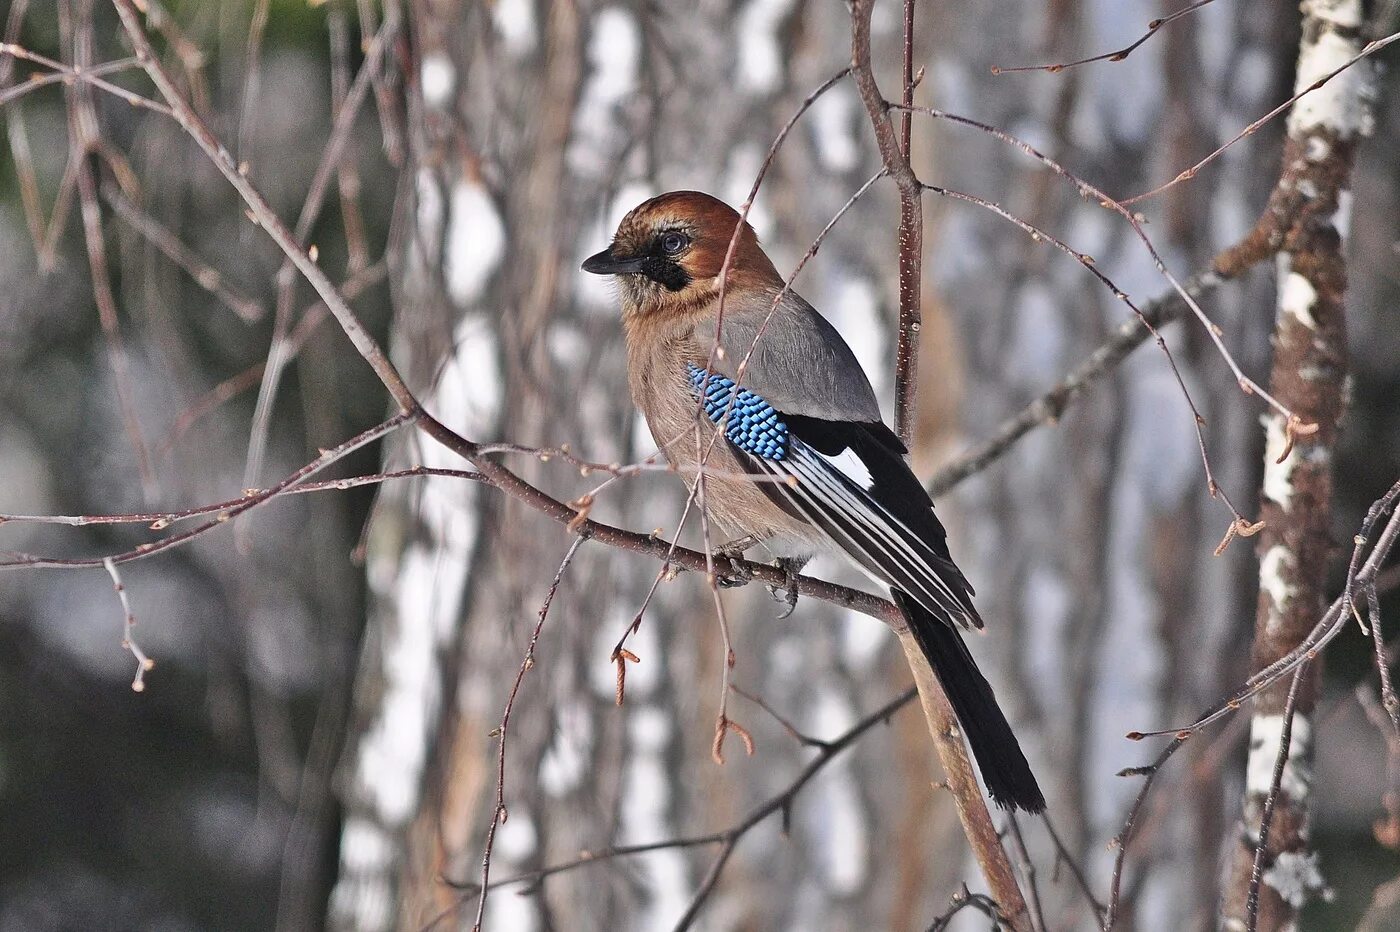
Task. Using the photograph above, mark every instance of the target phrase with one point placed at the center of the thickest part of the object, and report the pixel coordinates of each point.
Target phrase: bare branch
(779, 803)
(143, 663)
(10, 560)
(12, 95)
(1189, 173)
(262, 213)
(1135, 221)
(1119, 55)
(1256, 872)
(1327, 628)
(279, 355)
(911, 224)
(83, 139)
(972, 808)
(1240, 525)
(1052, 404)
(203, 274)
(159, 520)
(966, 899)
(91, 74)
(500, 814)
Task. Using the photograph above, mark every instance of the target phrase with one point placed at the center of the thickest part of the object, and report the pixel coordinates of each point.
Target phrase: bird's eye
(672, 243)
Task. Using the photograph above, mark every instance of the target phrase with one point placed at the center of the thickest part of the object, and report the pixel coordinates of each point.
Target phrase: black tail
(1009, 780)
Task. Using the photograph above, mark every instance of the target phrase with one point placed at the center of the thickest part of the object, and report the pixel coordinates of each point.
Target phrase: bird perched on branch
(804, 461)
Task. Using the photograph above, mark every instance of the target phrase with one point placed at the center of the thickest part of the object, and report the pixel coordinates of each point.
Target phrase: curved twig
(500, 813)
(1119, 55)
(781, 802)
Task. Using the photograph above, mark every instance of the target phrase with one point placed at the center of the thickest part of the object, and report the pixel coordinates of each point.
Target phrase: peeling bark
(1310, 212)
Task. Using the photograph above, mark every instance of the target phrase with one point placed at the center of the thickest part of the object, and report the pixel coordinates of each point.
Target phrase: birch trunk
(1313, 204)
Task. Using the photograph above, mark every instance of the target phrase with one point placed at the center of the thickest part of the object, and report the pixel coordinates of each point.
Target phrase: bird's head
(668, 252)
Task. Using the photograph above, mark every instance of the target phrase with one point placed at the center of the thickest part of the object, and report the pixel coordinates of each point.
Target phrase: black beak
(605, 263)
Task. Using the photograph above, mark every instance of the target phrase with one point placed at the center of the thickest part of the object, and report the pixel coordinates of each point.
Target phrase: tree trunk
(1310, 207)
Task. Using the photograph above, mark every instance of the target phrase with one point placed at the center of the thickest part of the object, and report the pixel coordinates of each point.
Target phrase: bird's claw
(730, 572)
(784, 594)
(787, 592)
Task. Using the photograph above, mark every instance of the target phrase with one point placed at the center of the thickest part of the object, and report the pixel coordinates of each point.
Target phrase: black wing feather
(880, 449)
(889, 528)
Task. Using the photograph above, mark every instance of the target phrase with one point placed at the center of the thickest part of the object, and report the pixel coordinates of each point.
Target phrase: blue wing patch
(753, 425)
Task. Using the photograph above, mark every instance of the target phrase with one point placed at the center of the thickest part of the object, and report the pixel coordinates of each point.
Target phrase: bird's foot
(730, 572)
(729, 569)
(787, 592)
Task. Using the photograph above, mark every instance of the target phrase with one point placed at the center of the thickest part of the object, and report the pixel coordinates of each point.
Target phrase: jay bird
(805, 462)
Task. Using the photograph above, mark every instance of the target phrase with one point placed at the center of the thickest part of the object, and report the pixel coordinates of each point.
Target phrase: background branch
(942, 723)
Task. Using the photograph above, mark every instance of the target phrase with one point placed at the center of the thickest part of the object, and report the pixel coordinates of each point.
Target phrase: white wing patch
(833, 493)
(851, 466)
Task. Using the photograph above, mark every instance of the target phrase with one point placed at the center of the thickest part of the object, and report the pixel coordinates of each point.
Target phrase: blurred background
(313, 747)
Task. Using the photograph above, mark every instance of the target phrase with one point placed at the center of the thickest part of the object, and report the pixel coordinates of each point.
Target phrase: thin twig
(86, 75)
(800, 736)
(723, 723)
(83, 135)
(58, 216)
(1322, 634)
(279, 353)
(779, 802)
(261, 212)
(204, 274)
(1385, 830)
(727, 265)
(14, 23)
(1240, 525)
(911, 224)
(1389, 701)
(1052, 404)
(1125, 834)
(966, 899)
(12, 95)
(10, 560)
(1270, 801)
(500, 813)
(27, 178)
(707, 885)
(1063, 856)
(911, 248)
(1087, 190)
(191, 57)
(160, 520)
(386, 90)
(1370, 49)
(252, 74)
(311, 319)
(143, 663)
(1119, 55)
(1327, 628)
(348, 173)
(1036, 911)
